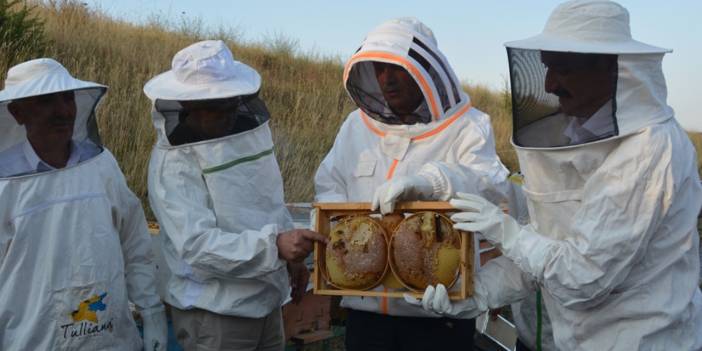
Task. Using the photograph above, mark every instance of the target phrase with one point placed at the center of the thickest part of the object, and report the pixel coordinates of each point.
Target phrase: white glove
(155, 329)
(499, 283)
(436, 300)
(484, 217)
(414, 187)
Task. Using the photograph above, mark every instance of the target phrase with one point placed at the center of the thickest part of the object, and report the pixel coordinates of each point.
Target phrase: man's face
(211, 118)
(399, 88)
(48, 119)
(582, 82)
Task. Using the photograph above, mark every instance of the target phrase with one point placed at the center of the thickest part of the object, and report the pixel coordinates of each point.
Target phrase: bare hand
(299, 276)
(296, 244)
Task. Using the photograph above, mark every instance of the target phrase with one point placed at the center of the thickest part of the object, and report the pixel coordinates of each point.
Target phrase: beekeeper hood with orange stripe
(431, 147)
(611, 183)
(215, 186)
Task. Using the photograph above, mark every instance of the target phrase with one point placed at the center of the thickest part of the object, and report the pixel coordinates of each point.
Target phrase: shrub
(21, 33)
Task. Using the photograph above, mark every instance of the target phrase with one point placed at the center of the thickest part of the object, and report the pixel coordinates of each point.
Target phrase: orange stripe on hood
(370, 125)
(401, 61)
(366, 120)
(444, 124)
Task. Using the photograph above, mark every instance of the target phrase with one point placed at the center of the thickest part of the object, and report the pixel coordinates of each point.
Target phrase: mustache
(62, 121)
(390, 87)
(560, 92)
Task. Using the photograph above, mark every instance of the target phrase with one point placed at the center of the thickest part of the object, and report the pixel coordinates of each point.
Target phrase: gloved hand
(414, 187)
(484, 217)
(436, 300)
(155, 329)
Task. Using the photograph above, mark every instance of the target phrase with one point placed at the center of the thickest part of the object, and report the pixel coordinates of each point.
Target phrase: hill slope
(303, 92)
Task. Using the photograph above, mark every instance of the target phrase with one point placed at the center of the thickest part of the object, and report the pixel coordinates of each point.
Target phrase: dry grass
(499, 106)
(303, 91)
(696, 139)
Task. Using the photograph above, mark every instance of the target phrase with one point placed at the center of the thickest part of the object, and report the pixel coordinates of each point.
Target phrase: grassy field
(303, 91)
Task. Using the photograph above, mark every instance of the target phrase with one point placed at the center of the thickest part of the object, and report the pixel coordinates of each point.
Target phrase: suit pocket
(365, 169)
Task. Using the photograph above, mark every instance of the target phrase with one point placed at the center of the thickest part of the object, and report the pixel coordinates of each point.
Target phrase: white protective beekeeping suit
(612, 242)
(74, 246)
(219, 201)
(452, 146)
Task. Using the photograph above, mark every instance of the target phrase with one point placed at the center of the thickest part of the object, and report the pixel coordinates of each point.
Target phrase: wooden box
(327, 212)
(312, 314)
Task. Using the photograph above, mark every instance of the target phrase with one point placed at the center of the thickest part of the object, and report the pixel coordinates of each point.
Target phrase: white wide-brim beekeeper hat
(203, 71)
(587, 26)
(40, 77)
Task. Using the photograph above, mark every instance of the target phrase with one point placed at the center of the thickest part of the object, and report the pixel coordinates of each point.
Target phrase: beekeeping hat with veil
(205, 75)
(45, 76)
(583, 35)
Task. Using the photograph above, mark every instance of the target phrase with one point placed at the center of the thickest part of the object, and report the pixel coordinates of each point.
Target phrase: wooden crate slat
(437, 206)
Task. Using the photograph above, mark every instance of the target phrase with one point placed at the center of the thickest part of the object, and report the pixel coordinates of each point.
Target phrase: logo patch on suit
(87, 309)
(86, 320)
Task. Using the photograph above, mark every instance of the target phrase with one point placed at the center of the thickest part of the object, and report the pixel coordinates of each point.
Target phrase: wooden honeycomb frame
(327, 211)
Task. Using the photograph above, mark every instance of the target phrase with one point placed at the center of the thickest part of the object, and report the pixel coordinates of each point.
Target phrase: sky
(470, 33)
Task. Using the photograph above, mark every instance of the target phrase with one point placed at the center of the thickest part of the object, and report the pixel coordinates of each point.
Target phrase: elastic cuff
(152, 310)
(531, 252)
(279, 261)
(438, 182)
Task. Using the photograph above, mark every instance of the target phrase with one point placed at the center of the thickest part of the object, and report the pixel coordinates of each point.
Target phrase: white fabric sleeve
(610, 232)
(182, 206)
(476, 170)
(500, 282)
(140, 275)
(329, 184)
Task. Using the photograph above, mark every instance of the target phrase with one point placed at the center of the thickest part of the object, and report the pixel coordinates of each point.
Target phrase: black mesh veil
(198, 120)
(365, 91)
(54, 120)
(90, 98)
(561, 99)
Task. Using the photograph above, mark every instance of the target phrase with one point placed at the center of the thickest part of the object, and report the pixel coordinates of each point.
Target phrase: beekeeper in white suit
(612, 189)
(415, 136)
(74, 246)
(216, 190)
